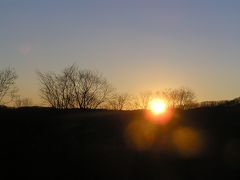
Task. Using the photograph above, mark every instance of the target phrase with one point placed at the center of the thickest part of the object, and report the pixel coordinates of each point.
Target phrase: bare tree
(49, 89)
(142, 100)
(179, 98)
(22, 102)
(119, 101)
(74, 88)
(170, 96)
(90, 89)
(7, 85)
(186, 97)
(57, 90)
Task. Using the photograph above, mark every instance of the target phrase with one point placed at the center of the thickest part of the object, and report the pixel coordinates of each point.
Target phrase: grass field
(42, 143)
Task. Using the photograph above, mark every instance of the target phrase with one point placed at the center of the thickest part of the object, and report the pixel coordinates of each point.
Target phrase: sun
(157, 106)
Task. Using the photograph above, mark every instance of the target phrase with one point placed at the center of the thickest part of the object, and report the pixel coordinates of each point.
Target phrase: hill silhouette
(201, 143)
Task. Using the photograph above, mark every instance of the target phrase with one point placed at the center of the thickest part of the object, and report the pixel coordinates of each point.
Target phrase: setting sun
(157, 106)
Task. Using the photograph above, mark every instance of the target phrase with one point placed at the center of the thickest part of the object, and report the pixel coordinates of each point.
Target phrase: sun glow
(157, 106)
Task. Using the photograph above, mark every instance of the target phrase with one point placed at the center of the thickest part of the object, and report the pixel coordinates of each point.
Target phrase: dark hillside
(43, 143)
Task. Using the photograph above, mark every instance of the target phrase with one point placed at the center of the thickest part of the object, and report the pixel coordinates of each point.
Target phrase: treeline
(233, 102)
(86, 89)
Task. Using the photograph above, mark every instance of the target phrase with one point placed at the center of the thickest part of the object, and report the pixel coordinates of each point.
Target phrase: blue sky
(138, 45)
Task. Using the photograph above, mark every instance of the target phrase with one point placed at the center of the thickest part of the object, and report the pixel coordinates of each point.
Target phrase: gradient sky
(137, 45)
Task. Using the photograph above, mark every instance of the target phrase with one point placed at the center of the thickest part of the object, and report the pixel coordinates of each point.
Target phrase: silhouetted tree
(7, 85)
(74, 88)
(142, 100)
(179, 98)
(22, 102)
(119, 101)
(53, 90)
(170, 96)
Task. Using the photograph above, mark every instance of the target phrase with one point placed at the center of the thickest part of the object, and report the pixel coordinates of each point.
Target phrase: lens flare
(188, 142)
(140, 135)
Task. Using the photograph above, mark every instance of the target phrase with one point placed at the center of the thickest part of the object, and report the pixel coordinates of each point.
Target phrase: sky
(138, 45)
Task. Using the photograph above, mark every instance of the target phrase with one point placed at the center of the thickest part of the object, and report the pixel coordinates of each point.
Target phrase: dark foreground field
(39, 143)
